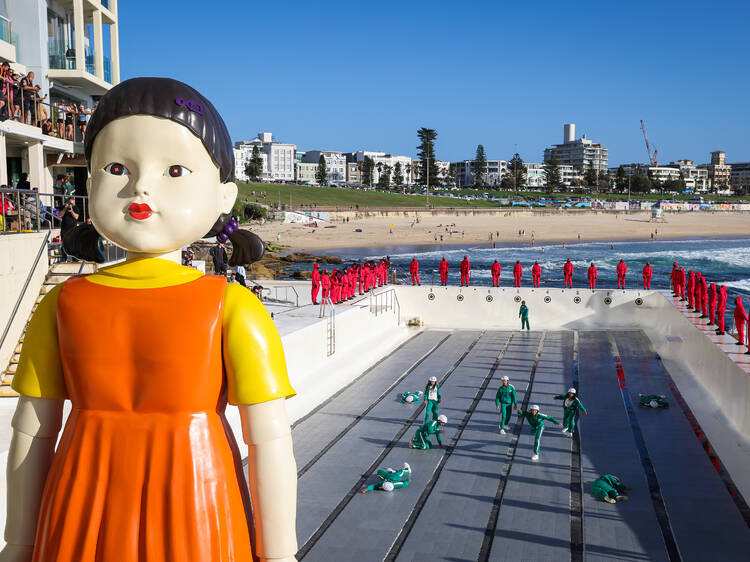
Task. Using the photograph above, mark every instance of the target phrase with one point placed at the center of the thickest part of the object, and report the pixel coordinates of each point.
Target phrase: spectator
(83, 113)
(69, 111)
(241, 275)
(7, 207)
(187, 256)
(219, 255)
(258, 292)
(68, 188)
(23, 181)
(48, 128)
(69, 217)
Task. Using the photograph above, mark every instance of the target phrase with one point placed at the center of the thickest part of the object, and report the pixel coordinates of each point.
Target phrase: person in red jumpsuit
(690, 289)
(325, 285)
(697, 305)
(647, 273)
(443, 269)
(517, 273)
(387, 269)
(704, 298)
(495, 270)
(592, 273)
(335, 286)
(315, 284)
(536, 273)
(740, 319)
(465, 271)
(622, 271)
(414, 270)
(681, 277)
(712, 298)
(674, 279)
(568, 274)
(721, 310)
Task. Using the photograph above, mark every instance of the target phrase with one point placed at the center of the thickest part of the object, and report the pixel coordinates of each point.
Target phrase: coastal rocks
(303, 274)
(304, 257)
(260, 271)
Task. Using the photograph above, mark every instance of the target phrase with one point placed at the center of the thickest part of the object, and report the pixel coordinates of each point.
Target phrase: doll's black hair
(178, 102)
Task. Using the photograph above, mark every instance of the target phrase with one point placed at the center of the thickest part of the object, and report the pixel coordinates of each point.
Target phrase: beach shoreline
(387, 232)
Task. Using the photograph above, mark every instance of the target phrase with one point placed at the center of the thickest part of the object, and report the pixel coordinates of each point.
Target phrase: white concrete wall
(17, 255)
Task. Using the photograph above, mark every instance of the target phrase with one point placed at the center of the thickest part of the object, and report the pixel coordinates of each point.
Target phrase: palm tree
(408, 173)
(379, 166)
(360, 167)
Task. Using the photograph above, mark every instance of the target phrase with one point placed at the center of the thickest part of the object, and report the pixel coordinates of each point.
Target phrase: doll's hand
(16, 553)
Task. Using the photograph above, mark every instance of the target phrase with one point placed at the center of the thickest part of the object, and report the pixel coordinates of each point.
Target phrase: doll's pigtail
(82, 242)
(247, 247)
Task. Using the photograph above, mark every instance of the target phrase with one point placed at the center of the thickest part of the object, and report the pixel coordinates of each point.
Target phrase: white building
(242, 157)
(580, 153)
(407, 165)
(535, 178)
(492, 175)
(696, 179)
(306, 173)
(63, 43)
(335, 164)
(279, 164)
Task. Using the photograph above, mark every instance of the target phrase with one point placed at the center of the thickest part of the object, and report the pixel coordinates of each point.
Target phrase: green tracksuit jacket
(570, 407)
(399, 479)
(416, 395)
(645, 401)
(523, 314)
(506, 400)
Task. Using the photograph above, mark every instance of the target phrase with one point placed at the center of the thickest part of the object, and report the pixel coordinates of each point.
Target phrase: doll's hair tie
(228, 229)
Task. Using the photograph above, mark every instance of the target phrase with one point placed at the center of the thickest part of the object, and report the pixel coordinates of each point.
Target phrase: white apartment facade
(242, 157)
(492, 175)
(72, 47)
(335, 164)
(535, 178)
(280, 158)
(385, 159)
(306, 173)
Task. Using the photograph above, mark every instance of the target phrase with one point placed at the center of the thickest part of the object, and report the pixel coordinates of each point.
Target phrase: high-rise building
(72, 49)
(580, 153)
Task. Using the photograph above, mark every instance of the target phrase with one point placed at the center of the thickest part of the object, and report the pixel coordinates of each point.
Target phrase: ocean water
(724, 261)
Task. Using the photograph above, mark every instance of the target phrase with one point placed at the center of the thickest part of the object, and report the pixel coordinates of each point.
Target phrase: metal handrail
(23, 291)
(390, 302)
(29, 207)
(286, 293)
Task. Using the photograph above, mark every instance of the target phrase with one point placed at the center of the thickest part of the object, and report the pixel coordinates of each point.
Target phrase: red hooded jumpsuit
(622, 270)
(592, 273)
(465, 271)
(568, 274)
(712, 298)
(740, 319)
(647, 273)
(496, 269)
(721, 309)
(517, 273)
(536, 274)
(315, 284)
(690, 289)
(414, 270)
(443, 269)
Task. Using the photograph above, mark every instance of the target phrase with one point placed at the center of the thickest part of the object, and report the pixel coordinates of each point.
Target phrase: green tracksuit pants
(421, 439)
(537, 437)
(525, 322)
(431, 409)
(505, 412)
(569, 419)
(379, 486)
(607, 486)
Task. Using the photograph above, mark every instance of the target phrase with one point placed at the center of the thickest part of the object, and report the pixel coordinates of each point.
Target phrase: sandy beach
(476, 229)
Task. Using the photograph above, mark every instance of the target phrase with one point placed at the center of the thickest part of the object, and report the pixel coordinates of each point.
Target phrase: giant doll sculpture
(149, 353)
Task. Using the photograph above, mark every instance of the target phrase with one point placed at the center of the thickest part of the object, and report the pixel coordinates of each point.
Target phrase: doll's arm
(272, 477)
(36, 425)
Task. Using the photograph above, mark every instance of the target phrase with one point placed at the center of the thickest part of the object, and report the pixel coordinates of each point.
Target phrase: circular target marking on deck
(517, 298)
(430, 296)
(488, 298)
(577, 300)
(607, 300)
(639, 301)
(459, 297)
(548, 299)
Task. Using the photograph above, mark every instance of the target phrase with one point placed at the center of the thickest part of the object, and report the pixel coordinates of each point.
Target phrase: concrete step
(7, 392)
(11, 370)
(71, 268)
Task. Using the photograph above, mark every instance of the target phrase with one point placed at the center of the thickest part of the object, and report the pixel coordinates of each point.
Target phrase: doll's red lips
(140, 211)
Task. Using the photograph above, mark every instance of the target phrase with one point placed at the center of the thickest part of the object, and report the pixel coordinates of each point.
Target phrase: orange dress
(147, 468)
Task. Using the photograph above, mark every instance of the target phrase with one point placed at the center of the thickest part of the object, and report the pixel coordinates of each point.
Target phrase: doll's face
(154, 187)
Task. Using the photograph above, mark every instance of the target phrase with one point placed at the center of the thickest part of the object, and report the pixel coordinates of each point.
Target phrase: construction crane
(651, 159)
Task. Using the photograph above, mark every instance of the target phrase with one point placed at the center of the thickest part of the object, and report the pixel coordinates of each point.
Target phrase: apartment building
(353, 175)
(580, 153)
(696, 179)
(280, 158)
(385, 159)
(740, 177)
(306, 172)
(72, 47)
(492, 175)
(719, 172)
(335, 164)
(536, 179)
(242, 157)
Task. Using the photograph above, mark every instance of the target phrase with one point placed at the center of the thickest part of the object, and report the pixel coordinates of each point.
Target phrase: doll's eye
(116, 169)
(177, 171)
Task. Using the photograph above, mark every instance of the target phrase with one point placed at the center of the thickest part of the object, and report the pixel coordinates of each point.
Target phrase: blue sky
(366, 75)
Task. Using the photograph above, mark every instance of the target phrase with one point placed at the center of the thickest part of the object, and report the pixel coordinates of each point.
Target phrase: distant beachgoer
(611, 246)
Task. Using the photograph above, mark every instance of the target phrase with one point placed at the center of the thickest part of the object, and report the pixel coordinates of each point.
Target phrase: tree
(426, 154)
(552, 175)
(640, 182)
(621, 181)
(384, 181)
(516, 174)
(368, 170)
(398, 175)
(379, 166)
(408, 174)
(479, 166)
(360, 168)
(591, 176)
(321, 175)
(254, 168)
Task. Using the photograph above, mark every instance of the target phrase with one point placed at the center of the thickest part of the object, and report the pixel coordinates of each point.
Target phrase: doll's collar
(144, 273)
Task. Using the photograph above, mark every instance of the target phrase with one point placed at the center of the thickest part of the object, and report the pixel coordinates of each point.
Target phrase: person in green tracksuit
(610, 489)
(571, 404)
(652, 401)
(391, 479)
(505, 401)
(523, 314)
(536, 421)
(431, 398)
(411, 397)
(421, 439)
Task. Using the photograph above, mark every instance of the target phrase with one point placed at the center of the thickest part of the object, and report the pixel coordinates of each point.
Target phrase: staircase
(57, 274)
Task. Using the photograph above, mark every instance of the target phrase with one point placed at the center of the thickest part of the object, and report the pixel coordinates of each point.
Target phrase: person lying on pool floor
(391, 479)
(411, 397)
(652, 401)
(609, 488)
(536, 421)
(421, 439)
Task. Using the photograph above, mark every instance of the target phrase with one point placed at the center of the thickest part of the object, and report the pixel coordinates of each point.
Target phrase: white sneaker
(534, 457)
(565, 430)
(609, 500)
(505, 428)
(502, 432)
